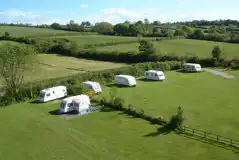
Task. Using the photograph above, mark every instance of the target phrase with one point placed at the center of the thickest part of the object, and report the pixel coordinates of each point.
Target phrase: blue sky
(114, 11)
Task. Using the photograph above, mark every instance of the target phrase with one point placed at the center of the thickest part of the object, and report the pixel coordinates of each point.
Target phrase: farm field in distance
(53, 66)
(95, 39)
(181, 47)
(33, 32)
(108, 135)
(210, 102)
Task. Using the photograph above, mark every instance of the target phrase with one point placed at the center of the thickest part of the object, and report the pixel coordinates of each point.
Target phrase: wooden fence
(211, 136)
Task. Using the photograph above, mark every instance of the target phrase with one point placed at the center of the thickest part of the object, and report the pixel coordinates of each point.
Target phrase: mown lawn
(53, 66)
(182, 47)
(210, 102)
(30, 131)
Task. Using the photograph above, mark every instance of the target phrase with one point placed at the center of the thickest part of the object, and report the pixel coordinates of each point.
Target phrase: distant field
(53, 66)
(96, 39)
(210, 102)
(182, 47)
(33, 32)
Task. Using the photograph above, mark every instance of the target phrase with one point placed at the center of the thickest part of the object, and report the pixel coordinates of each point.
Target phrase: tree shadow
(160, 131)
(235, 149)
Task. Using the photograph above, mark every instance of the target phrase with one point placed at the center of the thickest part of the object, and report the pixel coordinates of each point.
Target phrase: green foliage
(6, 34)
(176, 121)
(15, 60)
(217, 53)
(146, 47)
(104, 28)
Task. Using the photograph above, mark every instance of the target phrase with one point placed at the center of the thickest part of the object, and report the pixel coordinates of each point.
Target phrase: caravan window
(70, 104)
(48, 94)
(156, 75)
(63, 105)
(147, 74)
(42, 94)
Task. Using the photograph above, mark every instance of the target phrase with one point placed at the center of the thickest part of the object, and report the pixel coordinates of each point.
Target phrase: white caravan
(78, 103)
(91, 86)
(154, 75)
(53, 93)
(125, 80)
(192, 67)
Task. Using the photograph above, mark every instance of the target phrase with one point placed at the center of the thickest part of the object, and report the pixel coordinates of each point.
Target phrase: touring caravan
(154, 75)
(125, 80)
(92, 86)
(53, 93)
(80, 103)
(192, 67)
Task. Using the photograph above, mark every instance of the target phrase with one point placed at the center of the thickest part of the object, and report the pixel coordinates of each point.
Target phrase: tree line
(221, 31)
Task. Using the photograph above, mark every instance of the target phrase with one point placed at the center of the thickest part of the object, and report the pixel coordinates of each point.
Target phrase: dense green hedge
(18, 39)
(73, 83)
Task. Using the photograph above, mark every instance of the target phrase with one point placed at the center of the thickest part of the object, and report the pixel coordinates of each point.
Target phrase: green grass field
(2, 43)
(31, 131)
(53, 66)
(182, 47)
(33, 32)
(210, 102)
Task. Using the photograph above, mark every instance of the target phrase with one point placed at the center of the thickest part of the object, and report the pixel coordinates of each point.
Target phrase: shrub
(217, 53)
(176, 121)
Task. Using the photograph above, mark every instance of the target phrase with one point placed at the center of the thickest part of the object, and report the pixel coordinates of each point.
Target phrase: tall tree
(15, 62)
(104, 28)
(217, 53)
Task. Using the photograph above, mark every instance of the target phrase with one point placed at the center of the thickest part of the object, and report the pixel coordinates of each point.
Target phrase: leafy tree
(187, 30)
(146, 47)
(179, 32)
(55, 26)
(176, 121)
(156, 23)
(6, 34)
(198, 34)
(104, 28)
(15, 62)
(121, 29)
(217, 53)
(170, 33)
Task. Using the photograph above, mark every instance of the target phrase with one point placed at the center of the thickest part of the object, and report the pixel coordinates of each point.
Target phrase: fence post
(193, 131)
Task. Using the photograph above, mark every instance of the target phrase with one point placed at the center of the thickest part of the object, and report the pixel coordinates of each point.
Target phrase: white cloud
(112, 15)
(84, 5)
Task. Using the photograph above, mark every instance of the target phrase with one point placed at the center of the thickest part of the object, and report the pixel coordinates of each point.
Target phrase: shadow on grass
(106, 109)
(35, 102)
(149, 80)
(234, 149)
(118, 86)
(160, 131)
(57, 112)
(182, 71)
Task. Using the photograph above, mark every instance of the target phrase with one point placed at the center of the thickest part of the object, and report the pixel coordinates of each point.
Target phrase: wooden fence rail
(211, 136)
